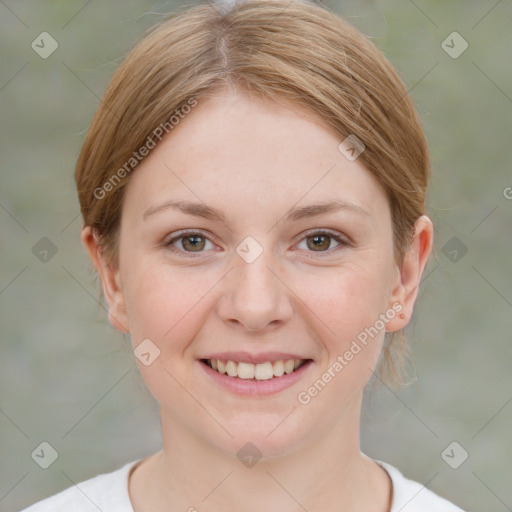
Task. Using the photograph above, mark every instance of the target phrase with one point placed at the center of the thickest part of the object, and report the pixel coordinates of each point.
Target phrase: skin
(253, 160)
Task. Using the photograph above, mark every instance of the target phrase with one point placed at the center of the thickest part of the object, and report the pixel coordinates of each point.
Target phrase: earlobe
(409, 275)
(114, 322)
(110, 280)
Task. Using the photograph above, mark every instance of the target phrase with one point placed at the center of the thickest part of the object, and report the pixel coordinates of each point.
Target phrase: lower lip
(248, 387)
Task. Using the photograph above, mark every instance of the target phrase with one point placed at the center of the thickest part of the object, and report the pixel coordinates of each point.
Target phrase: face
(228, 251)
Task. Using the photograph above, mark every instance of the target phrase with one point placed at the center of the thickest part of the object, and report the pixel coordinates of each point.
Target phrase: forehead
(239, 150)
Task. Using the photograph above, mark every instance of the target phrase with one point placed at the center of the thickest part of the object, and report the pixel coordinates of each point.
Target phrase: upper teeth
(261, 371)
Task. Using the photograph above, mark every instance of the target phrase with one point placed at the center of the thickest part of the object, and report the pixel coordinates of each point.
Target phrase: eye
(320, 241)
(188, 242)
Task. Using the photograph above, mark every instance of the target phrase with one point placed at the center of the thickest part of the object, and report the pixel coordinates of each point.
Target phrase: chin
(263, 436)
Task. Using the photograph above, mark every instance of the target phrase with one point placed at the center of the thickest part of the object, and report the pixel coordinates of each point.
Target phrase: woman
(253, 192)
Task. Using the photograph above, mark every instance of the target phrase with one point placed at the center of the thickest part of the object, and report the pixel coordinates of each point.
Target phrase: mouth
(267, 370)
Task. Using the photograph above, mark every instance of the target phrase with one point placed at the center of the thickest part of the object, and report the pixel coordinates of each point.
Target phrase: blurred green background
(69, 379)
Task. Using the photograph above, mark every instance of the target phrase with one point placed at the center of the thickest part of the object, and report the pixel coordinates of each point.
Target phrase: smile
(261, 371)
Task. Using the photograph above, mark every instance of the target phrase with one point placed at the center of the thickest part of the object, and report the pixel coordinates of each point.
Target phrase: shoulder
(411, 496)
(108, 491)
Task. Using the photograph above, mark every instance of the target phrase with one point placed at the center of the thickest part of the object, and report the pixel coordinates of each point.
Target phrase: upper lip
(247, 357)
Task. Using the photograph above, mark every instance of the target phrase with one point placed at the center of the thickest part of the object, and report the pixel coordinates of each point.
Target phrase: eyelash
(188, 254)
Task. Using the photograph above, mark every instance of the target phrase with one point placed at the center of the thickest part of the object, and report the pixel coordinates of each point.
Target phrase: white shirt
(109, 493)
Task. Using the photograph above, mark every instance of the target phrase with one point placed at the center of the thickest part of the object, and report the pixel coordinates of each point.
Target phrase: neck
(325, 473)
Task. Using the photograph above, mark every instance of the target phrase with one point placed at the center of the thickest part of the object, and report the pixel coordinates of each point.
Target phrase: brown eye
(193, 243)
(189, 243)
(319, 242)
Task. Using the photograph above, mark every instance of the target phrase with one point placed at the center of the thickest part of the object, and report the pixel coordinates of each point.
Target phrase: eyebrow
(294, 214)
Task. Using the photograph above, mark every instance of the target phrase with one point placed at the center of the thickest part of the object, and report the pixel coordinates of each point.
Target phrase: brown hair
(294, 51)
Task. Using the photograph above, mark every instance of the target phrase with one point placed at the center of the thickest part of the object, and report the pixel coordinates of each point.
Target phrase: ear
(406, 284)
(110, 280)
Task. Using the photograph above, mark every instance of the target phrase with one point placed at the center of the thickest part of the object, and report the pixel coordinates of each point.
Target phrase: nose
(255, 296)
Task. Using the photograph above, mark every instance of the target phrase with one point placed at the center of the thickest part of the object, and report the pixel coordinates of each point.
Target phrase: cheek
(347, 303)
(347, 298)
(162, 303)
(166, 307)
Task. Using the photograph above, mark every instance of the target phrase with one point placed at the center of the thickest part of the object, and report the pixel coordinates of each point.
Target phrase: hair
(292, 51)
